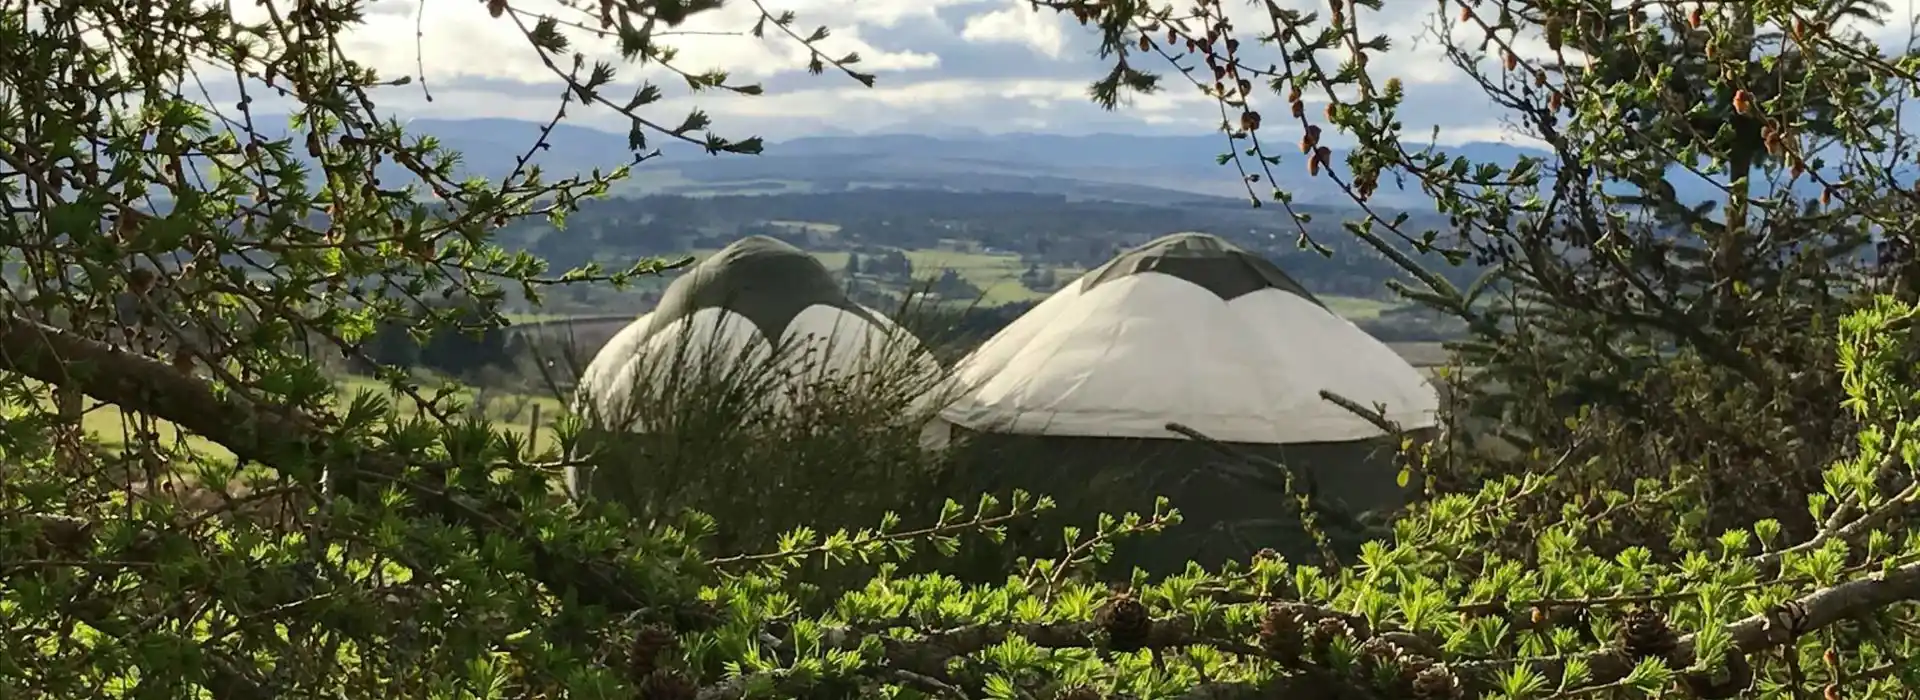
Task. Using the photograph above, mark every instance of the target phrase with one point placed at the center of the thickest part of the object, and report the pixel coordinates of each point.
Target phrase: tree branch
(929, 654)
(276, 436)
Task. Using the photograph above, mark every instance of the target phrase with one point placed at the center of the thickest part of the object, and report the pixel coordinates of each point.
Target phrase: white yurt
(1077, 394)
(759, 317)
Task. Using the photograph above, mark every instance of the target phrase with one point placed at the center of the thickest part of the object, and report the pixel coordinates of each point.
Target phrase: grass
(535, 317)
(761, 436)
(513, 412)
(510, 411)
(1358, 308)
(809, 226)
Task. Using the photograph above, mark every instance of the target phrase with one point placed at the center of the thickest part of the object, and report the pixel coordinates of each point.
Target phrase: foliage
(1671, 338)
(458, 351)
(352, 553)
(761, 434)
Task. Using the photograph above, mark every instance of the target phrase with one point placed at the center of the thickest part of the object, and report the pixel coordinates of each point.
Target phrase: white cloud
(1018, 24)
(450, 41)
(994, 65)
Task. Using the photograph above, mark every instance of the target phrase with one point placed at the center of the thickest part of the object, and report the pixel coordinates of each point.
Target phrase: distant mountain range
(1118, 167)
(1121, 167)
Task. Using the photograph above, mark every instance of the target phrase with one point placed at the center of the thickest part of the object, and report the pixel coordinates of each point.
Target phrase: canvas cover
(764, 280)
(757, 299)
(1193, 330)
(1230, 507)
(1074, 399)
(737, 305)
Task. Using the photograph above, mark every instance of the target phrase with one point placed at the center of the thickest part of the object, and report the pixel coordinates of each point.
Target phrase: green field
(524, 318)
(1357, 308)
(514, 412)
(998, 275)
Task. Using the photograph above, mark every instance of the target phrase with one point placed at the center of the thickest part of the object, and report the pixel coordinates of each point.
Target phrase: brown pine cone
(668, 684)
(1127, 622)
(1281, 633)
(1411, 666)
(1327, 629)
(649, 643)
(1436, 683)
(1379, 652)
(1644, 634)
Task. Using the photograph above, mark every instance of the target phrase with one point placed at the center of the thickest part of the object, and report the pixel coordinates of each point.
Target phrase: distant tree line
(1047, 231)
(450, 351)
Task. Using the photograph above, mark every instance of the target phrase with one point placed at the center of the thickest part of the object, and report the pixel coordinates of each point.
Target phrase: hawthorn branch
(274, 434)
(1844, 526)
(278, 436)
(929, 654)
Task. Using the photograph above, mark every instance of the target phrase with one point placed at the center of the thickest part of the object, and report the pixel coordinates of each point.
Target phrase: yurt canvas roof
(1187, 329)
(765, 280)
(737, 304)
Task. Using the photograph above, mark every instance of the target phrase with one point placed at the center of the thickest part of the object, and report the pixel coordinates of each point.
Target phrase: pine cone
(643, 657)
(1380, 653)
(668, 684)
(1411, 666)
(1326, 629)
(1645, 635)
(1436, 683)
(1128, 623)
(1281, 633)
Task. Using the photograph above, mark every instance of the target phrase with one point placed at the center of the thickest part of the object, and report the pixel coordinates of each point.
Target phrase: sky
(942, 65)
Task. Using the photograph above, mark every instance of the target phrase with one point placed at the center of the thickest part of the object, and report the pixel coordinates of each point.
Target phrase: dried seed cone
(1379, 652)
(668, 684)
(1411, 666)
(1645, 635)
(1282, 634)
(649, 644)
(1436, 683)
(1127, 622)
(1325, 631)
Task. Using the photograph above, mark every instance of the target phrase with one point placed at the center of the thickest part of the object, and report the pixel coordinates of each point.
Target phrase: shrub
(426, 557)
(767, 436)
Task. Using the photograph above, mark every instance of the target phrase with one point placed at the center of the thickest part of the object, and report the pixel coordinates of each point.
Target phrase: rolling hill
(1141, 169)
(1116, 167)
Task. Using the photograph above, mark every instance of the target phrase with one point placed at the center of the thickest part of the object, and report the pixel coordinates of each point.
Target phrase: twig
(254, 433)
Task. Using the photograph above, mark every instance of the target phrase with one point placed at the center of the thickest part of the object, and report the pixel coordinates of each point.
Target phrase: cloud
(1018, 24)
(990, 65)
